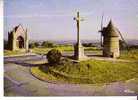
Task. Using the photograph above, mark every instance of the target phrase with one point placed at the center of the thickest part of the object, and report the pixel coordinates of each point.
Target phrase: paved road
(19, 82)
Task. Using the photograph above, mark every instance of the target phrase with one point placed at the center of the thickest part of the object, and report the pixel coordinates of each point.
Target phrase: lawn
(90, 72)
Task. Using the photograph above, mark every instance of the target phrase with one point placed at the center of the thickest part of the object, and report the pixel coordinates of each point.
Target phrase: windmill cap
(111, 30)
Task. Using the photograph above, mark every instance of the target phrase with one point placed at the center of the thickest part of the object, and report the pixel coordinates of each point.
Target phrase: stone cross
(78, 48)
(78, 19)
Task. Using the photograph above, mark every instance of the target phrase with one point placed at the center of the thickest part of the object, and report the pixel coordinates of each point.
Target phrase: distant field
(61, 48)
(44, 50)
(128, 55)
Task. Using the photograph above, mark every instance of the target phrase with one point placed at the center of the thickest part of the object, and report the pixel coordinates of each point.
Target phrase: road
(19, 82)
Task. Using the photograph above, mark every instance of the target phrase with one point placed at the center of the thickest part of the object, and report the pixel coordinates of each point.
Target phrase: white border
(74, 98)
(1, 48)
(37, 98)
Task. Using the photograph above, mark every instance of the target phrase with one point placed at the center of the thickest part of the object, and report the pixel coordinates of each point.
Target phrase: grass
(40, 50)
(42, 75)
(11, 53)
(90, 72)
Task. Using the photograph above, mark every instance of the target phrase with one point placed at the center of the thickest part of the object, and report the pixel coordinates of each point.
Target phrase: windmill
(102, 34)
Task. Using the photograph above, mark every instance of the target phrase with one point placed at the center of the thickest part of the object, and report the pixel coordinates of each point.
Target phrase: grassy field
(132, 54)
(61, 48)
(91, 71)
(42, 50)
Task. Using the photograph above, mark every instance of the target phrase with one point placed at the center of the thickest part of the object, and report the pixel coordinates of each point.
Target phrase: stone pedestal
(79, 52)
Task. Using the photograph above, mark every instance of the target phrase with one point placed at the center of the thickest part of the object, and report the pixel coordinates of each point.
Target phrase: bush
(36, 44)
(54, 56)
(133, 47)
(47, 44)
(88, 45)
(31, 45)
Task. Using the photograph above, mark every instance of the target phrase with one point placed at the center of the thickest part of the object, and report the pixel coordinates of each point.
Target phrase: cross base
(79, 52)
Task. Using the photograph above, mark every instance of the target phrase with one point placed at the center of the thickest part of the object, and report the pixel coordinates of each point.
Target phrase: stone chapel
(18, 39)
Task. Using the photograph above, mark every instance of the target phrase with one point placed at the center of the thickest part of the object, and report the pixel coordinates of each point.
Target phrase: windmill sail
(122, 38)
(102, 22)
(101, 41)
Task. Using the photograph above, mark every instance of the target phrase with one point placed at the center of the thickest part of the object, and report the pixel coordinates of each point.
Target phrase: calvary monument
(78, 48)
(18, 39)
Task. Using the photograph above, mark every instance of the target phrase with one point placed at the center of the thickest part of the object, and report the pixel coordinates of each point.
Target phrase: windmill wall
(110, 41)
(111, 47)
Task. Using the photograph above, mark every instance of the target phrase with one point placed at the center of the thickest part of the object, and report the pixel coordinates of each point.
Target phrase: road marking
(129, 91)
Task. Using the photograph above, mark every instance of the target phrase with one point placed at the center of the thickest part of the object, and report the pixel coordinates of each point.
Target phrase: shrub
(31, 45)
(88, 45)
(54, 56)
(133, 47)
(36, 44)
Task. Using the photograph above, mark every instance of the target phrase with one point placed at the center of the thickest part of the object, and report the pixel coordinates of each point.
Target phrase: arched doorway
(20, 42)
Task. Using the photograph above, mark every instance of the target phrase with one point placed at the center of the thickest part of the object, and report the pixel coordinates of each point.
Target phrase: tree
(34, 44)
(54, 56)
(47, 44)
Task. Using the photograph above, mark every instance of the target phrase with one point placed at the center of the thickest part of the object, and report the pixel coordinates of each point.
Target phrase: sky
(53, 19)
